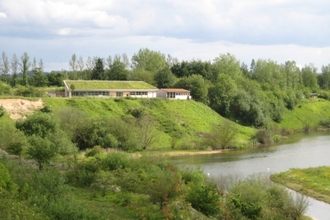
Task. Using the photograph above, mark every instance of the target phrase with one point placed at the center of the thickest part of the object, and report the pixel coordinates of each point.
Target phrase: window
(119, 94)
(132, 93)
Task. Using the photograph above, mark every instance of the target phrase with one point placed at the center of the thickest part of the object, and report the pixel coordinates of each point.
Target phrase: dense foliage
(253, 96)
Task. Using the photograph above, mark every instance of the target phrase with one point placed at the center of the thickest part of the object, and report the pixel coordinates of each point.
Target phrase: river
(299, 151)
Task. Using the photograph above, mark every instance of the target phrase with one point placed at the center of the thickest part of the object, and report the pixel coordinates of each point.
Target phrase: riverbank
(313, 182)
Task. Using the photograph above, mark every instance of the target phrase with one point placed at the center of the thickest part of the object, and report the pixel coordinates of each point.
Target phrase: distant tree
(38, 77)
(143, 75)
(25, 65)
(196, 85)
(117, 70)
(222, 94)
(14, 67)
(55, 78)
(5, 67)
(148, 60)
(165, 78)
(309, 77)
(98, 70)
(73, 65)
(180, 69)
(80, 64)
(325, 77)
(226, 64)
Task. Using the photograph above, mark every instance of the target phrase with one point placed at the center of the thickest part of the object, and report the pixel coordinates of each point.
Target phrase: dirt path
(20, 108)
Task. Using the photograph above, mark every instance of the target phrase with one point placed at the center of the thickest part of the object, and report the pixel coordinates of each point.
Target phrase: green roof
(94, 84)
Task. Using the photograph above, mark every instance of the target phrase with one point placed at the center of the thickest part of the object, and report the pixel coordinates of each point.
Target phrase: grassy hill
(306, 115)
(185, 120)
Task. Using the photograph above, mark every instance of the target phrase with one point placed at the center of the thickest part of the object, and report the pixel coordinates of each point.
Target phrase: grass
(307, 114)
(314, 182)
(174, 118)
(90, 84)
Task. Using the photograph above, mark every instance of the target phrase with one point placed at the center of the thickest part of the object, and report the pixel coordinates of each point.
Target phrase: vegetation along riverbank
(314, 181)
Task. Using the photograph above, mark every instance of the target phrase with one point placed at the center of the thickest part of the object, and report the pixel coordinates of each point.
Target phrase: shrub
(114, 161)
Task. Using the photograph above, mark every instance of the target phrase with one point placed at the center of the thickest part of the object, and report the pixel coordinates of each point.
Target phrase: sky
(54, 30)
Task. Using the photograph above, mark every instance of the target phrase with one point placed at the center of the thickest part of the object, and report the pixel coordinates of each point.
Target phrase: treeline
(251, 95)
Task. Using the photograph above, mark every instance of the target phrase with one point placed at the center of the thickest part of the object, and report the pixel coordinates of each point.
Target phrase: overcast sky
(280, 30)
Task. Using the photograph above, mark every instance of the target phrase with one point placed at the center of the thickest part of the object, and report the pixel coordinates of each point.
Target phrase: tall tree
(148, 60)
(309, 77)
(25, 65)
(80, 64)
(226, 64)
(98, 70)
(117, 71)
(14, 68)
(325, 77)
(73, 65)
(5, 68)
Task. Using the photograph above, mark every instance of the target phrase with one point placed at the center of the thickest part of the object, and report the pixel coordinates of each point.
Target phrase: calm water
(304, 151)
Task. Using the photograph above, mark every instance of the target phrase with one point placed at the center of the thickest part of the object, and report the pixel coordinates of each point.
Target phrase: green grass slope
(306, 115)
(180, 118)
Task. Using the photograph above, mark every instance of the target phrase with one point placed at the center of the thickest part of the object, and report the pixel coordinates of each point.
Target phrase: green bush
(114, 161)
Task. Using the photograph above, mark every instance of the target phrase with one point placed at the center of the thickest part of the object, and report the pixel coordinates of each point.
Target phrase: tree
(147, 132)
(196, 85)
(25, 65)
(325, 77)
(38, 77)
(80, 64)
(38, 124)
(222, 94)
(41, 150)
(117, 70)
(14, 67)
(226, 64)
(73, 65)
(222, 135)
(98, 70)
(309, 77)
(148, 60)
(5, 64)
(164, 78)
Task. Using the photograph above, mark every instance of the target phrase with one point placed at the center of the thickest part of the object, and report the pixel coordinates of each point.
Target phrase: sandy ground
(20, 108)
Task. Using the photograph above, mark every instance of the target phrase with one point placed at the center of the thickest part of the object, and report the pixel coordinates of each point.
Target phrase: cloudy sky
(280, 30)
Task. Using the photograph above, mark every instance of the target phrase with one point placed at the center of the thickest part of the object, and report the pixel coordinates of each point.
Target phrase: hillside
(186, 120)
(306, 115)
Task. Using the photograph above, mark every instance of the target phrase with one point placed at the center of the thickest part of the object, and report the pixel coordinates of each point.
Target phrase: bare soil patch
(20, 108)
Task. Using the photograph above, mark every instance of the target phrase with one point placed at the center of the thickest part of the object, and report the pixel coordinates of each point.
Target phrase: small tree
(147, 131)
(221, 135)
(41, 150)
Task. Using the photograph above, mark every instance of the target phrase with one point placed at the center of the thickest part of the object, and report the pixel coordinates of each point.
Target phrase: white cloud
(280, 30)
(3, 15)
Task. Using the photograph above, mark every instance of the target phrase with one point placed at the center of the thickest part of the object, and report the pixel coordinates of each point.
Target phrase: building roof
(108, 85)
(175, 90)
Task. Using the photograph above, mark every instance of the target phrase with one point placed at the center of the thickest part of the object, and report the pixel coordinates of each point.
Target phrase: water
(311, 150)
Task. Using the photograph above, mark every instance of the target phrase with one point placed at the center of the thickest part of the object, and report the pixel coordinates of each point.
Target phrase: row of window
(90, 93)
(104, 93)
(173, 94)
(138, 93)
